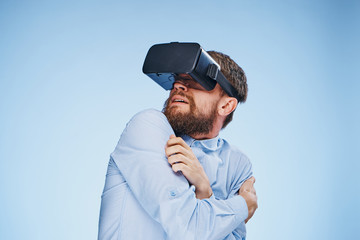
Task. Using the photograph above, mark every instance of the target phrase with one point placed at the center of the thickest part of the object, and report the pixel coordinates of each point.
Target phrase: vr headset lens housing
(165, 63)
(187, 80)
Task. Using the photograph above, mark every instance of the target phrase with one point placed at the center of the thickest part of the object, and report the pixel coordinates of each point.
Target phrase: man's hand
(247, 191)
(181, 158)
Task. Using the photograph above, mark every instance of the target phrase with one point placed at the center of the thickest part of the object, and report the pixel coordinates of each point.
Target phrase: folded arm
(165, 195)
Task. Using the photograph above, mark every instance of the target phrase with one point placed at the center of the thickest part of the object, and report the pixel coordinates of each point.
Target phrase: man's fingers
(175, 149)
(248, 185)
(180, 167)
(176, 140)
(177, 145)
(178, 158)
(252, 179)
(251, 201)
(245, 188)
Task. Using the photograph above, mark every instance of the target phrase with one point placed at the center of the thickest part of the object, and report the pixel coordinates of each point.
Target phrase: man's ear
(227, 105)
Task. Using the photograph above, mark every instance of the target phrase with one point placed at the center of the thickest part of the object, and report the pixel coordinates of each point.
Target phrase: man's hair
(234, 74)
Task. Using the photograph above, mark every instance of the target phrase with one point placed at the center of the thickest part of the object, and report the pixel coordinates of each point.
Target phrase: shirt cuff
(239, 206)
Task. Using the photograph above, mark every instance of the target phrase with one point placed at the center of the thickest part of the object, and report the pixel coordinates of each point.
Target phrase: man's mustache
(180, 93)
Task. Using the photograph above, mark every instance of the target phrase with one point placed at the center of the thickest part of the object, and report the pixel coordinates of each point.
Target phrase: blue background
(70, 79)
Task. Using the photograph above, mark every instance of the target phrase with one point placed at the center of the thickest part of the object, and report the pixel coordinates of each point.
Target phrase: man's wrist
(203, 192)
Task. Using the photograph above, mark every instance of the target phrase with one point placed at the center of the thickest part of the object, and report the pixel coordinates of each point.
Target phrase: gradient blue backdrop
(70, 79)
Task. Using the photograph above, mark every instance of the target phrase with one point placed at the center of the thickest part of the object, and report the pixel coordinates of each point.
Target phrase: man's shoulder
(149, 120)
(150, 115)
(146, 130)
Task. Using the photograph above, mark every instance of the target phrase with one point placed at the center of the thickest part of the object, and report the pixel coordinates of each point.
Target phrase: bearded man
(172, 177)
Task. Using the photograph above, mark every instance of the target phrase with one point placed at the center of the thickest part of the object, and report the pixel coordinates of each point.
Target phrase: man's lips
(177, 99)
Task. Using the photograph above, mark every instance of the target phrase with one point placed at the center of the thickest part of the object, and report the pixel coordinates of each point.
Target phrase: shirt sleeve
(166, 196)
(243, 172)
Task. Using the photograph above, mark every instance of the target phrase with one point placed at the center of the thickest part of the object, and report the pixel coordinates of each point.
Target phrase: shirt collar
(211, 144)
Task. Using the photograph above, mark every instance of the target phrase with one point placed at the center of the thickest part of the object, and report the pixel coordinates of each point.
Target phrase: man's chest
(216, 167)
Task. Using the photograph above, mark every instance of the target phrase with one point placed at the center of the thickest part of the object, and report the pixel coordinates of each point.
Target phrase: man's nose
(180, 85)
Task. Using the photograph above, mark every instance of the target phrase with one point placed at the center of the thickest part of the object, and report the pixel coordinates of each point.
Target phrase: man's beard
(192, 122)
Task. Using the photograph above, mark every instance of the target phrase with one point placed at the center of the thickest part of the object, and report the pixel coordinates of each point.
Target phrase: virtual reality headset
(164, 62)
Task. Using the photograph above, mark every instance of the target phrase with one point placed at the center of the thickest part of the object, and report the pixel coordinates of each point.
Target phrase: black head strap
(214, 73)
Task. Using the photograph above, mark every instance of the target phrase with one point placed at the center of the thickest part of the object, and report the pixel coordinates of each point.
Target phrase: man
(159, 186)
